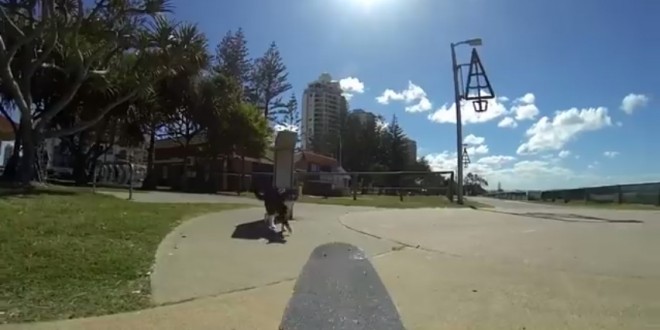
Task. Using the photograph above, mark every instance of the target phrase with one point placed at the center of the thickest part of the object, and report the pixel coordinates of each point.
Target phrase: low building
(6, 140)
(321, 175)
(194, 170)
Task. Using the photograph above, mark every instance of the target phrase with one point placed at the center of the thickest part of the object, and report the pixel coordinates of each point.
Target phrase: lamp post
(459, 122)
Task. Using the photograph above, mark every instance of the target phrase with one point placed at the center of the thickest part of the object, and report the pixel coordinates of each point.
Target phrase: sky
(576, 81)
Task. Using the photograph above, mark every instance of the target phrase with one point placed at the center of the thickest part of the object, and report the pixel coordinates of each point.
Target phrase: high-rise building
(323, 109)
(363, 115)
(411, 147)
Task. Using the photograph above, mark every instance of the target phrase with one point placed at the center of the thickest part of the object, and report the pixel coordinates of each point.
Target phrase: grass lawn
(616, 206)
(390, 201)
(66, 253)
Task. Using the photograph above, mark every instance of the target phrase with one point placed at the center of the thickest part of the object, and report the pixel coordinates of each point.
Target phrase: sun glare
(367, 3)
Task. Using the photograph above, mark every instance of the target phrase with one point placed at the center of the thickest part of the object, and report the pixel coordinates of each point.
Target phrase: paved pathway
(520, 267)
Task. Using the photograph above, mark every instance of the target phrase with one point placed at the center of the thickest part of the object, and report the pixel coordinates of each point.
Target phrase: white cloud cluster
(564, 154)
(414, 96)
(525, 174)
(539, 174)
(553, 134)
(610, 154)
(351, 86)
(634, 101)
(523, 108)
(473, 139)
(508, 122)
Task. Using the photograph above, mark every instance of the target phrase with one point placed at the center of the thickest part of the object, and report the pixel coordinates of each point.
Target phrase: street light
(459, 122)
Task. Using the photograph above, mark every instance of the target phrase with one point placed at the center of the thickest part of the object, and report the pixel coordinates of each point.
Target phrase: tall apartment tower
(363, 115)
(411, 148)
(323, 109)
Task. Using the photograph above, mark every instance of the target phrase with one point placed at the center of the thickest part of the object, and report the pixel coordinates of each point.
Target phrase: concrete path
(512, 267)
(228, 251)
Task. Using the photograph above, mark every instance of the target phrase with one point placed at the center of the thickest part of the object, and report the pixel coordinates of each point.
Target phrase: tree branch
(86, 124)
(22, 38)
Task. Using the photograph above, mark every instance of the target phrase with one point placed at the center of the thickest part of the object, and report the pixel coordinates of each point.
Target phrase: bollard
(94, 179)
(130, 181)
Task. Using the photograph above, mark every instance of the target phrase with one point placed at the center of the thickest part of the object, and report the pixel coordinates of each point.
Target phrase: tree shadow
(569, 217)
(256, 230)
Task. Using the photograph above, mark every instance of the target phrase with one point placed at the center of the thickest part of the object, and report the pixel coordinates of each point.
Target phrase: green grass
(66, 253)
(390, 201)
(616, 206)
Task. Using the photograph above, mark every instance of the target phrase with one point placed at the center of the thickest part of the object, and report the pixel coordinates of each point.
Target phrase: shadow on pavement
(256, 230)
(567, 217)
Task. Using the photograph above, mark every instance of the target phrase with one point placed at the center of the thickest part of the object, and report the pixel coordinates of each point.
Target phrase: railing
(642, 193)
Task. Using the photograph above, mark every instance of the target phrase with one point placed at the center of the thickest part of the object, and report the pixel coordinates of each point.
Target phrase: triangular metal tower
(478, 88)
(466, 157)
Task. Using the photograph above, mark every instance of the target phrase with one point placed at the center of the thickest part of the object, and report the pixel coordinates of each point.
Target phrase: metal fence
(355, 184)
(642, 193)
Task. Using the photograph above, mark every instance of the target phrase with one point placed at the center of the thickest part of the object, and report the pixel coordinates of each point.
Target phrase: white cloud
(634, 101)
(496, 161)
(414, 96)
(286, 127)
(531, 174)
(523, 109)
(619, 124)
(528, 98)
(381, 124)
(564, 154)
(611, 154)
(478, 150)
(444, 161)
(351, 85)
(473, 139)
(423, 105)
(547, 134)
(447, 114)
(508, 122)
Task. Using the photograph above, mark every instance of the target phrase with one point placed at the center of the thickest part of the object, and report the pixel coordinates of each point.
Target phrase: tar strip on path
(340, 289)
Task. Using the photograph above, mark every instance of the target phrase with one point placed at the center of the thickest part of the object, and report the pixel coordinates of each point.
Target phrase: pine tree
(396, 143)
(289, 116)
(232, 58)
(269, 81)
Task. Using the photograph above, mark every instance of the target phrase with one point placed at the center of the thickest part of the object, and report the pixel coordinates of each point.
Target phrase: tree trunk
(149, 182)
(29, 143)
(241, 186)
(79, 170)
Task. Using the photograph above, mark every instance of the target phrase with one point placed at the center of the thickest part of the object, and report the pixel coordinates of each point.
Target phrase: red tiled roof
(316, 158)
(6, 130)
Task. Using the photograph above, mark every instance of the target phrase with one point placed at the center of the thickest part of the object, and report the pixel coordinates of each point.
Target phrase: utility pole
(459, 127)
(477, 71)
